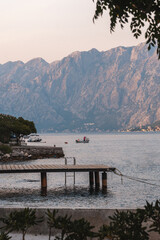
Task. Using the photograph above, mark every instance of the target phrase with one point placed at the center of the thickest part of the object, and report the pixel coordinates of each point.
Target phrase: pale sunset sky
(52, 29)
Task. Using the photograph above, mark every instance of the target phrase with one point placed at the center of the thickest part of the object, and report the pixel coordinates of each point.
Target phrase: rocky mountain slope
(84, 91)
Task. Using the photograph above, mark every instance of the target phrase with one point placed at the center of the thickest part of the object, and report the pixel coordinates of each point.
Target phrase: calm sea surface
(134, 154)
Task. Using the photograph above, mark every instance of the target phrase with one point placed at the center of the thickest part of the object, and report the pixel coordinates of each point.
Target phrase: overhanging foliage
(139, 13)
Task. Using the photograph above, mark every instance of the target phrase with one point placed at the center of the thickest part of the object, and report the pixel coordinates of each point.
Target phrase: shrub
(5, 149)
(4, 236)
(152, 214)
(125, 225)
(21, 221)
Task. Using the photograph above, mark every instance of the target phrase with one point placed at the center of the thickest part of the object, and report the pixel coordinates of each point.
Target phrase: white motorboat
(34, 138)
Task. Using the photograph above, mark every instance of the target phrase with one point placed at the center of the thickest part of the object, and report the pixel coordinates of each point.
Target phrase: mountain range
(85, 91)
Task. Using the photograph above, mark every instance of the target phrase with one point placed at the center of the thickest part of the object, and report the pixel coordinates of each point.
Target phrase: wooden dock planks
(10, 168)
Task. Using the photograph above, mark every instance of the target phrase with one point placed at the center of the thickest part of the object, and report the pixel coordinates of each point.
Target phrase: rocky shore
(22, 153)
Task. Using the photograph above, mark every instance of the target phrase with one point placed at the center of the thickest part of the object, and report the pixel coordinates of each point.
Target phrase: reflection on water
(58, 197)
(133, 154)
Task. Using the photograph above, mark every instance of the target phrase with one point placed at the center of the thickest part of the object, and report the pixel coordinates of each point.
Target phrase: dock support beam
(97, 183)
(104, 181)
(43, 184)
(91, 179)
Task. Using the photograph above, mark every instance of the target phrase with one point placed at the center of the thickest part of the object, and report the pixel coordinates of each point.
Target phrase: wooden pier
(93, 171)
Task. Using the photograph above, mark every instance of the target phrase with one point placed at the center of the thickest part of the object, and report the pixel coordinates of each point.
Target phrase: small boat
(34, 138)
(84, 140)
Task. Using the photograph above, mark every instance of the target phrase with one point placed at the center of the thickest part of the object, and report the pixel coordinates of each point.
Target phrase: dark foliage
(81, 229)
(152, 211)
(125, 225)
(69, 229)
(5, 148)
(51, 220)
(21, 221)
(4, 236)
(11, 126)
(139, 13)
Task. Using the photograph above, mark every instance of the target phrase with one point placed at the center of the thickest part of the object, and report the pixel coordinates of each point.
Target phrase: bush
(4, 236)
(5, 149)
(21, 221)
(126, 225)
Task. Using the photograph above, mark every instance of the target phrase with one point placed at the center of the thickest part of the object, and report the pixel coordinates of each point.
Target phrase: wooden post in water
(104, 182)
(65, 173)
(43, 184)
(97, 183)
(91, 180)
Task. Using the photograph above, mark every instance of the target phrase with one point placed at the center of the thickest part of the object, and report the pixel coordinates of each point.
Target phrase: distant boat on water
(84, 140)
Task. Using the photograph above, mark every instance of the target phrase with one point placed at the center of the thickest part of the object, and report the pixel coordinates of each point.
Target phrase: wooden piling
(104, 181)
(97, 182)
(43, 184)
(91, 180)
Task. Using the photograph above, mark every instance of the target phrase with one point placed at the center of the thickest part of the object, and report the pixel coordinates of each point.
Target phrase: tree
(69, 230)
(63, 224)
(58, 222)
(139, 13)
(29, 124)
(51, 220)
(4, 236)
(81, 229)
(105, 231)
(152, 211)
(11, 126)
(21, 221)
(125, 225)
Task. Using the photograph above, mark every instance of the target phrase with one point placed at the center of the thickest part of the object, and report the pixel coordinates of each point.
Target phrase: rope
(142, 180)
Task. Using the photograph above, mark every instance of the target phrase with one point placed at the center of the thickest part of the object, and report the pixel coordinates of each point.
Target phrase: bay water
(135, 155)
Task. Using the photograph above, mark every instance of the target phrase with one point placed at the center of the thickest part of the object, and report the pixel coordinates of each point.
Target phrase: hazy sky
(52, 29)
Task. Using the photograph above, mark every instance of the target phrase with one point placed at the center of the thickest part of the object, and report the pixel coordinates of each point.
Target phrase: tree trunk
(23, 236)
(49, 233)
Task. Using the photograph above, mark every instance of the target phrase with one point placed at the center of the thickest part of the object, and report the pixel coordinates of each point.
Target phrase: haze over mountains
(85, 91)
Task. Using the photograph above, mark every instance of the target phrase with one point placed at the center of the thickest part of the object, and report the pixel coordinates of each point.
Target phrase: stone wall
(97, 217)
(20, 153)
